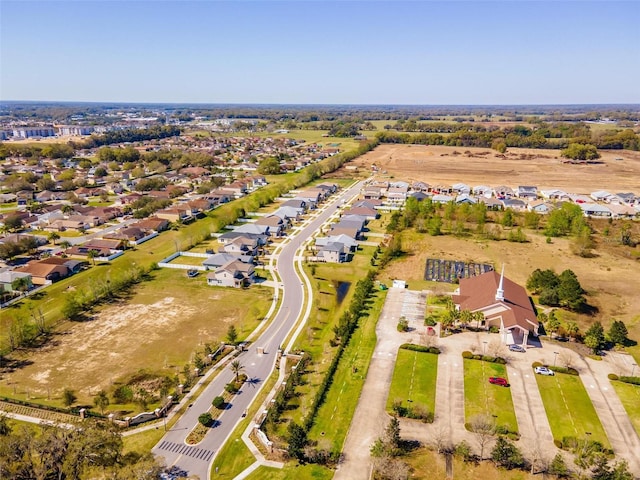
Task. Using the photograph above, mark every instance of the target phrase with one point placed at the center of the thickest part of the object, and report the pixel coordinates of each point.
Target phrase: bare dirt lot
(438, 165)
(157, 329)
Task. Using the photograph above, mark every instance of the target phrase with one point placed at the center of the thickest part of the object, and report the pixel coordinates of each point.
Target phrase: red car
(499, 381)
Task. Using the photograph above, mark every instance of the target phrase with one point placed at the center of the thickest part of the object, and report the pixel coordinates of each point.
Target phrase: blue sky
(364, 52)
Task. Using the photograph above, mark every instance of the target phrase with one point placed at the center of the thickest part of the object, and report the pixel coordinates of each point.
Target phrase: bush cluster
(632, 380)
(485, 358)
(420, 348)
(567, 370)
(415, 412)
(285, 394)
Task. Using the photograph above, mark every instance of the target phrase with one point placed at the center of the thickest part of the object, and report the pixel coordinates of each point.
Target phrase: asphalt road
(197, 460)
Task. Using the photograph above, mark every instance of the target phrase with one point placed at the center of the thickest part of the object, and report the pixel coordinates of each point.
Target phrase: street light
(555, 355)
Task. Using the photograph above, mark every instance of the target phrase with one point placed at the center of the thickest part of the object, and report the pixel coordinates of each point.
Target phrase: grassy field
(483, 398)
(157, 328)
(420, 386)
(630, 397)
(569, 408)
(334, 417)
(292, 472)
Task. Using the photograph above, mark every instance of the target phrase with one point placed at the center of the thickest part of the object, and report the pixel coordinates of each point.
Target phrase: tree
(297, 437)
(540, 280)
(553, 324)
(5, 428)
(232, 334)
(594, 337)
(572, 329)
(53, 236)
(218, 402)
(205, 419)
(68, 397)
(65, 244)
(618, 333)
(236, 368)
(508, 219)
(269, 166)
(101, 400)
(93, 254)
(12, 223)
(570, 292)
(558, 467)
(484, 427)
(506, 454)
(578, 151)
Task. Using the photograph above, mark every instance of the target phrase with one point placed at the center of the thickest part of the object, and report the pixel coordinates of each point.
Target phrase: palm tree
(66, 209)
(92, 254)
(53, 236)
(572, 329)
(236, 368)
(65, 244)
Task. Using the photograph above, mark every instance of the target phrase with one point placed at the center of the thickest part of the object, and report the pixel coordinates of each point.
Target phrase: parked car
(516, 348)
(499, 381)
(543, 371)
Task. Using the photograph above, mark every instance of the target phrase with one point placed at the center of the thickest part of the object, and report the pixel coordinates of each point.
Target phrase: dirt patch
(438, 165)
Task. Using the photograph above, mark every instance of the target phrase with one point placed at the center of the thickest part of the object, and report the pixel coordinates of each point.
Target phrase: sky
(321, 52)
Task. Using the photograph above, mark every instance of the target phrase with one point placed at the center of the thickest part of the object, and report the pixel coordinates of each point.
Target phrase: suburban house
(276, 224)
(288, 213)
(298, 203)
(372, 192)
(231, 236)
(350, 243)
(232, 274)
(362, 210)
(596, 210)
(255, 228)
(461, 188)
(8, 277)
(466, 198)
(174, 214)
(74, 266)
(504, 303)
(220, 259)
(482, 191)
(333, 252)
(152, 223)
(397, 194)
(241, 246)
(554, 194)
(527, 191)
(441, 198)
(503, 191)
(44, 273)
(419, 196)
(540, 206)
(514, 204)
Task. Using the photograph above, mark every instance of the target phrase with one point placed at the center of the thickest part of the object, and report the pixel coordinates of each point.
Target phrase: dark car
(516, 348)
(499, 381)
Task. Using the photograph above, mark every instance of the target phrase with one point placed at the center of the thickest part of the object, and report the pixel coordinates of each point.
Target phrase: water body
(341, 290)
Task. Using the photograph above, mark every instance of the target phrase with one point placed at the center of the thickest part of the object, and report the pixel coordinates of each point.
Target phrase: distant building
(30, 132)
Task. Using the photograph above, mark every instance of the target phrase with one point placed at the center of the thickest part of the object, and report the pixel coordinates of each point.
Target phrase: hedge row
(420, 348)
(285, 394)
(567, 370)
(625, 379)
(69, 411)
(484, 358)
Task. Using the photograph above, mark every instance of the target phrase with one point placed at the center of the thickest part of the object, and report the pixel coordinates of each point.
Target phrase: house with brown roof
(174, 214)
(44, 273)
(152, 223)
(504, 303)
(276, 224)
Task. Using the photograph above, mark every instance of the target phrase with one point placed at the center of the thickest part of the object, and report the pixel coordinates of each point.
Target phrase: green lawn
(569, 408)
(483, 398)
(334, 417)
(292, 472)
(630, 397)
(414, 378)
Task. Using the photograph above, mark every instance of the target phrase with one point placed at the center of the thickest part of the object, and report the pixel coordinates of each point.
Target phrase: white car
(543, 371)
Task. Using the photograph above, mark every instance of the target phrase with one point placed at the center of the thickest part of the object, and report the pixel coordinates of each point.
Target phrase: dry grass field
(157, 329)
(438, 165)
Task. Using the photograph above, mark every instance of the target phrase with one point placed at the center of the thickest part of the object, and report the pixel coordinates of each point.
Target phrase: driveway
(370, 419)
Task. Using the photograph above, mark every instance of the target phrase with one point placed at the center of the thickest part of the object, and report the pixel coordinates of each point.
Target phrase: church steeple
(500, 291)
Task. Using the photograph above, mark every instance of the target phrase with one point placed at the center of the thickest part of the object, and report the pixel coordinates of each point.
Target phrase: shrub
(494, 329)
(612, 376)
(403, 325)
(467, 354)
(430, 321)
(632, 380)
(463, 450)
(568, 371)
(536, 364)
(218, 402)
(231, 388)
(420, 348)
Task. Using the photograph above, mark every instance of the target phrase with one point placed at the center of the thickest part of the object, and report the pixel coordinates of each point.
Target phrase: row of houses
(522, 198)
(233, 265)
(342, 238)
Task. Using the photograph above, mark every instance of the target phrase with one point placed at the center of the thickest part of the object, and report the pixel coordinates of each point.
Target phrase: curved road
(197, 460)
